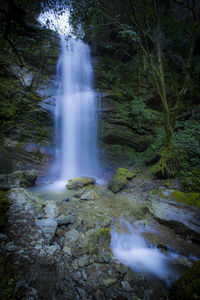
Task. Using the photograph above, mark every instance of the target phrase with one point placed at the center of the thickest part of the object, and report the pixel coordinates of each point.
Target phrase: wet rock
(72, 238)
(22, 197)
(80, 182)
(3, 237)
(117, 183)
(83, 261)
(25, 178)
(65, 220)
(67, 251)
(126, 286)
(51, 210)
(89, 195)
(51, 250)
(184, 219)
(48, 227)
(82, 293)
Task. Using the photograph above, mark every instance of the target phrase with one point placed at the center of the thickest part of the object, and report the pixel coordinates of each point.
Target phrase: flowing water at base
(131, 248)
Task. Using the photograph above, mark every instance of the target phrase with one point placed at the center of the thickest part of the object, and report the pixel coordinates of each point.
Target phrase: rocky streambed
(59, 241)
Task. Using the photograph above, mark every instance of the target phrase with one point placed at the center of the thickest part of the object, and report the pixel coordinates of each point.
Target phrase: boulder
(23, 198)
(72, 238)
(65, 220)
(182, 218)
(80, 182)
(25, 178)
(48, 227)
(119, 181)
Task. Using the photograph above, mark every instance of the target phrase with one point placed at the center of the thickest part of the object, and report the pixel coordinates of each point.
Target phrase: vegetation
(162, 36)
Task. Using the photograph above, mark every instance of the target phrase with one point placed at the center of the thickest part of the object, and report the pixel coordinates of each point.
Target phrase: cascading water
(76, 113)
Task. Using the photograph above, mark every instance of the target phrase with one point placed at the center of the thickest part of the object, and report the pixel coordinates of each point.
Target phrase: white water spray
(76, 113)
(131, 249)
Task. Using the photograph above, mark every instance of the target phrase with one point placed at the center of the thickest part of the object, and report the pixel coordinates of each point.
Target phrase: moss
(167, 183)
(125, 172)
(186, 198)
(105, 231)
(188, 285)
(4, 205)
(154, 192)
(79, 182)
(117, 183)
(7, 282)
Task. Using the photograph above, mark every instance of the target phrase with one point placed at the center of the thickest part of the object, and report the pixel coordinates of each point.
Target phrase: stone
(117, 184)
(182, 218)
(120, 179)
(3, 237)
(83, 261)
(126, 286)
(51, 250)
(72, 238)
(65, 220)
(22, 197)
(89, 195)
(24, 178)
(48, 227)
(80, 182)
(67, 251)
(51, 210)
(82, 293)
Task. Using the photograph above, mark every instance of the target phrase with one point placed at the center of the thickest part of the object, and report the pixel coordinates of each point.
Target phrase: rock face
(80, 182)
(184, 219)
(27, 96)
(25, 178)
(119, 181)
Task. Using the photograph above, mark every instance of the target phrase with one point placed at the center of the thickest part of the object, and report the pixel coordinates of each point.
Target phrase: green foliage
(190, 179)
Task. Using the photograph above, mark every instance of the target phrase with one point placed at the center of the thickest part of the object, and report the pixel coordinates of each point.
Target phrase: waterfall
(76, 113)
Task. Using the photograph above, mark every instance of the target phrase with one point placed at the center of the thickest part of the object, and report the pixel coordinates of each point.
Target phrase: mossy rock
(186, 198)
(4, 205)
(80, 182)
(125, 172)
(187, 287)
(7, 281)
(119, 181)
